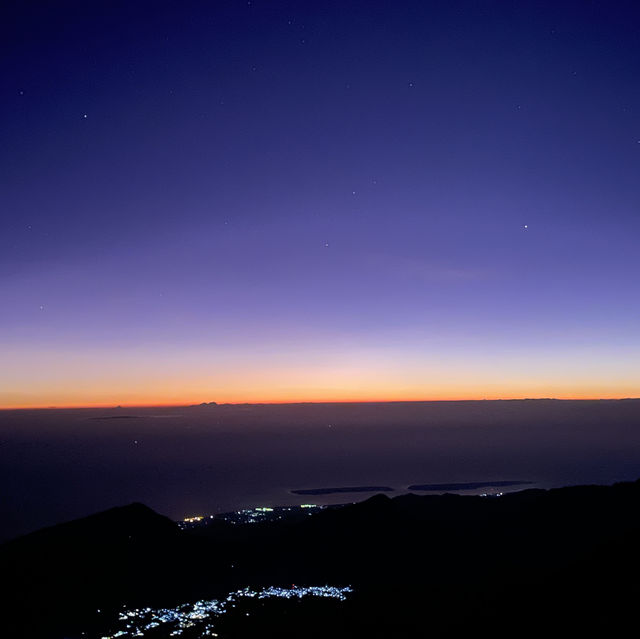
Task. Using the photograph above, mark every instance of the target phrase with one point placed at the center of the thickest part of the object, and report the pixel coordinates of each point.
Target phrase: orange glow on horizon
(326, 400)
(100, 379)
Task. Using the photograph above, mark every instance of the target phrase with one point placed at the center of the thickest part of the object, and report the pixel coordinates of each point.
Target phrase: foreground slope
(519, 564)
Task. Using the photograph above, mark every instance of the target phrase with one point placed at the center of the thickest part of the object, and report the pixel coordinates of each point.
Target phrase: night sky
(270, 201)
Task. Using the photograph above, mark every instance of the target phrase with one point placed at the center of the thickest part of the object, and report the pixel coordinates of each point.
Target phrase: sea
(61, 464)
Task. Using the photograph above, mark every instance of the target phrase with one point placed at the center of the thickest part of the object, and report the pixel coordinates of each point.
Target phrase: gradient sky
(270, 201)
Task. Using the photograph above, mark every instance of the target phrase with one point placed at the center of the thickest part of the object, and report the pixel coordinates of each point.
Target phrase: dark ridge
(469, 485)
(122, 521)
(96, 563)
(467, 564)
(342, 489)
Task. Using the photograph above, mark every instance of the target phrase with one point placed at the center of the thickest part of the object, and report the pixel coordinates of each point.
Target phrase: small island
(343, 489)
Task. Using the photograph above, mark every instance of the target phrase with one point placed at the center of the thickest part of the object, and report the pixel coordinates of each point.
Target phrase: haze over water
(60, 464)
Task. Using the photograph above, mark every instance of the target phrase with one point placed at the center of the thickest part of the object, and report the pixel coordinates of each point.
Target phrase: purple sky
(273, 201)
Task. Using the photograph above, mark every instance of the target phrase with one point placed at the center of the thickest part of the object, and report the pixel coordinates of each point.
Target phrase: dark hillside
(566, 557)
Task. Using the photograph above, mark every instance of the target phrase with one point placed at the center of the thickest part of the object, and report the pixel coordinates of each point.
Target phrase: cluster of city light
(138, 621)
(297, 592)
(262, 513)
(248, 515)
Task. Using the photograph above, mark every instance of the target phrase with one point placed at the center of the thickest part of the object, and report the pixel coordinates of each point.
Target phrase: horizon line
(321, 402)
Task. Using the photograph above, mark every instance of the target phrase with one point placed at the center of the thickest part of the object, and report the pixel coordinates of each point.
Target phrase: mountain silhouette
(516, 565)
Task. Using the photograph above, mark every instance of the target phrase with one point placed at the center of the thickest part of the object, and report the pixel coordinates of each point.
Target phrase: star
(326, 244)
(42, 307)
(526, 226)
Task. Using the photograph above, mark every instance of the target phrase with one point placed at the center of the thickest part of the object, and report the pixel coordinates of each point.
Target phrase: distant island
(343, 489)
(469, 485)
(426, 487)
